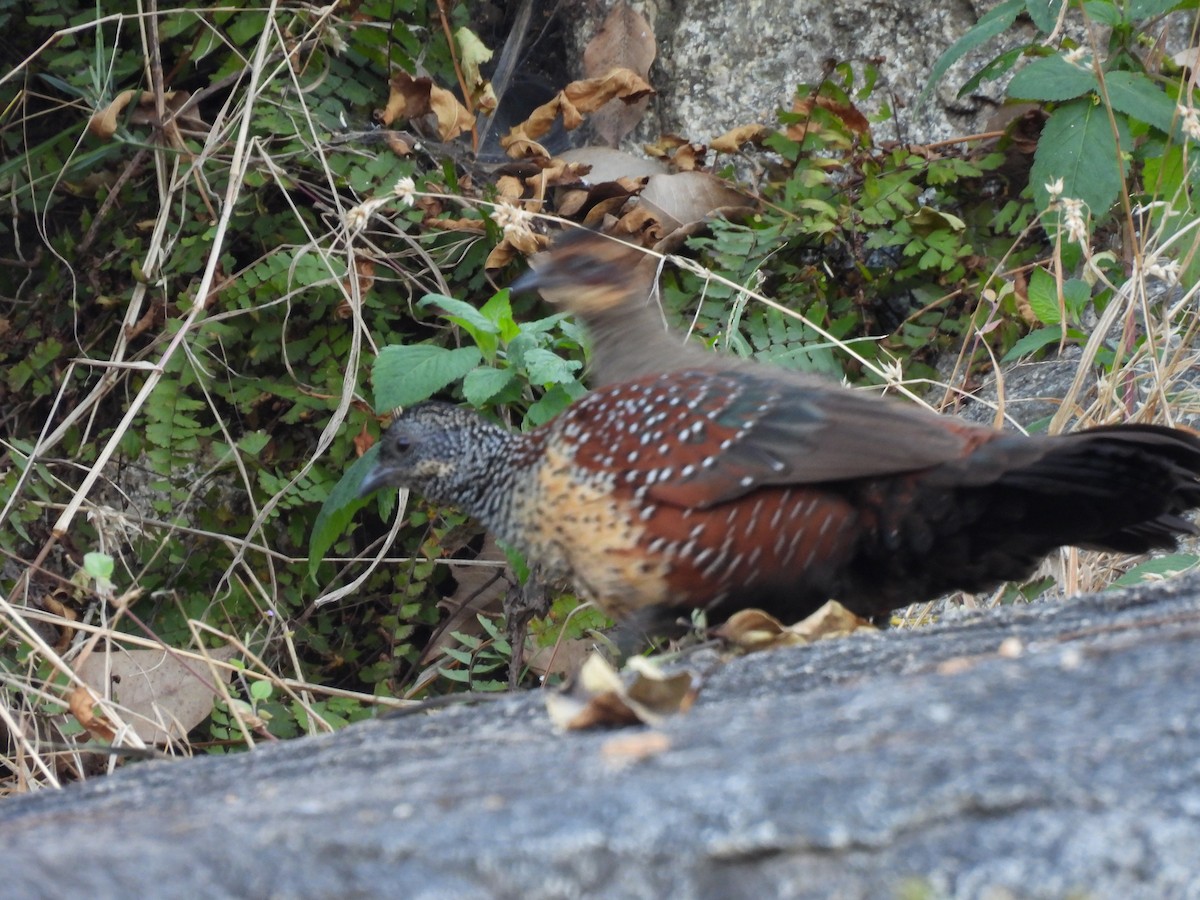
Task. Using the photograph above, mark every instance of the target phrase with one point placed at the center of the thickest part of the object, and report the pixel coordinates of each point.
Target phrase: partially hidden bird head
(436, 449)
(588, 273)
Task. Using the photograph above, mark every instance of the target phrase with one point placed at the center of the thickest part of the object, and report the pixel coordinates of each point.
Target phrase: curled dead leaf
(507, 250)
(753, 629)
(82, 704)
(103, 123)
(601, 696)
(407, 99)
(733, 140)
(575, 100)
(411, 98)
(625, 40)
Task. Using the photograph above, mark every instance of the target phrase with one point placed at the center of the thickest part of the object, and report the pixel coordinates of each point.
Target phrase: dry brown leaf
(571, 201)
(604, 208)
(525, 148)
(81, 704)
(601, 696)
(396, 143)
(689, 157)
(847, 112)
(515, 245)
(165, 695)
(733, 140)
(753, 630)
(364, 270)
(576, 99)
(407, 99)
(103, 123)
(472, 226)
(664, 146)
(625, 41)
(684, 197)
(452, 117)
(363, 441)
(510, 187)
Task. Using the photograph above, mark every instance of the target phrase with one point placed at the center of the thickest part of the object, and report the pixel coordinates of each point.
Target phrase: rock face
(730, 63)
(1043, 751)
(721, 64)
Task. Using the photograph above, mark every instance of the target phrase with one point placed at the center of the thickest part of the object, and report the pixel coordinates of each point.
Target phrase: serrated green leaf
(1077, 146)
(1043, 297)
(462, 313)
(499, 310)
(404, 375)
(1140, 98)
(546, 368)
(482, 384)
(1051, 79)
(338, 509)
(995, 22)
(252, 442)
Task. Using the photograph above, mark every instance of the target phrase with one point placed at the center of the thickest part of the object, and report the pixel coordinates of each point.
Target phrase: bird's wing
(699, 438)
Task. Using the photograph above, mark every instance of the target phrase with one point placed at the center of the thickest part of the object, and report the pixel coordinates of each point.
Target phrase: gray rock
(928, 761)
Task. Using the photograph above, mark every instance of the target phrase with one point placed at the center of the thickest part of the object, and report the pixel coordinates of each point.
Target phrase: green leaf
(261, 689)
(993, 23)
(1034, 341)
(1051, 79)
(1045, 13)
(404, 375)
(338, 509)
(1077, 293)
(546, 368)
(1171, 564)
(1145, 9)
(1043, 297)
(1077, 146)
(482, 384)
(1104, 12)
(499, 310)
(98, 566)
(462, 313)
(1140, 98)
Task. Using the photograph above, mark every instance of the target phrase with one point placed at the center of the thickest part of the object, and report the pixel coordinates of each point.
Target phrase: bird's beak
(376, 478)
(532, 280)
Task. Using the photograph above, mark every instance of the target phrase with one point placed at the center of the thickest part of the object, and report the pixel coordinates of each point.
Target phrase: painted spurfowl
(690, 479)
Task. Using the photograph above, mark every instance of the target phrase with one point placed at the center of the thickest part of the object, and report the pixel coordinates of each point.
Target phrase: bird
(691, 480)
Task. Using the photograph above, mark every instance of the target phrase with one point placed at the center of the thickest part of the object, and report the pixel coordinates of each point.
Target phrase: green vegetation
(221, 272)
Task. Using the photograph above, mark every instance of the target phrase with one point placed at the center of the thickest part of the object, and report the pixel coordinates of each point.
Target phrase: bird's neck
(631, 341)
(499, 470)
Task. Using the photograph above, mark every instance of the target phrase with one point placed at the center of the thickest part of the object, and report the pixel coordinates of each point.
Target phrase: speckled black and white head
(442, 452)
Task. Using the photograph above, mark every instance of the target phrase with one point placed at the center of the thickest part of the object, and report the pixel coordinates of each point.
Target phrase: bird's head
(431, 448)
(588, 273)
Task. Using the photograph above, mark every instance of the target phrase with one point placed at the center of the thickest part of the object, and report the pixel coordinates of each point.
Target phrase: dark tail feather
(1118, 488)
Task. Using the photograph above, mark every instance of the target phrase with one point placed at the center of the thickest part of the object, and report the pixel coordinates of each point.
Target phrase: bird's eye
(402, 444)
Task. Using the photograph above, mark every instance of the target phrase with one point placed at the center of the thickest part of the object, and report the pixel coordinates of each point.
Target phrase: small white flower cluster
(358, 217)
(1189, 121)
(1074, 213)
(511, 218)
